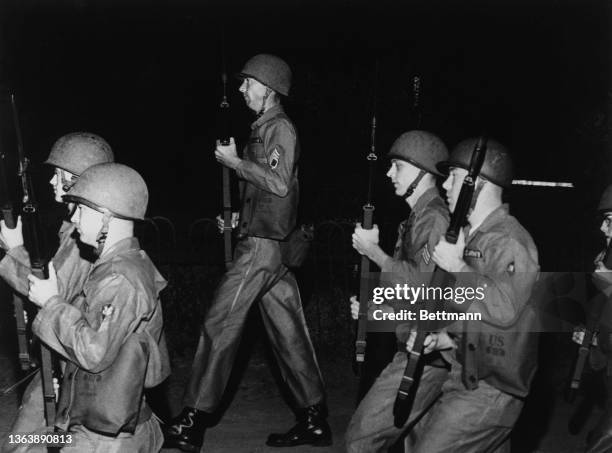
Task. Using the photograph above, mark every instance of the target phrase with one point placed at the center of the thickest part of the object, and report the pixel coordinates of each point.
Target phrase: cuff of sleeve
(242, 168)
(387, 264)
(42, 317)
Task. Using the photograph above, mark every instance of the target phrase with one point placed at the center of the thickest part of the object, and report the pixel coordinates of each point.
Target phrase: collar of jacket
(268, 115)
(124, 245)
(424, 200)
(493, 218)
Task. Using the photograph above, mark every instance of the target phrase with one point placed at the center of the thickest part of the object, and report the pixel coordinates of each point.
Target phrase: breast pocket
(256, 150)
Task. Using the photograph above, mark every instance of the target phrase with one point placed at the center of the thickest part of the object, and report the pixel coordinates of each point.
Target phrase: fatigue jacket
(501, 349)
(119, 297)
(71, 267)
(416, 238)
(270, 188)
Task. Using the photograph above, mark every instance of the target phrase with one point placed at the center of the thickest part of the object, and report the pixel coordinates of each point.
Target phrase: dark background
(146, 76)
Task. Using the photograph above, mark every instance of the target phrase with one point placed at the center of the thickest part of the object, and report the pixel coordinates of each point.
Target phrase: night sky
(146, 76)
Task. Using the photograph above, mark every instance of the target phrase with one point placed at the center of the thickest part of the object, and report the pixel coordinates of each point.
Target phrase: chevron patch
(425, 254)
(274, 158)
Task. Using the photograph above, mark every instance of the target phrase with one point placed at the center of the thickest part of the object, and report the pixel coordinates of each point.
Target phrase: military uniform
(269, 206)
(371, 428)
(497, 357)
(72, 270)
(600, 439)
(112, 337)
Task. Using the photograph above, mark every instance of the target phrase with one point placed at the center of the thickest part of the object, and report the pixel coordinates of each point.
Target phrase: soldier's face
(253, 93)
(88, 223)
(57, 182)
(402, 174)
(452, 185)
(606, 225)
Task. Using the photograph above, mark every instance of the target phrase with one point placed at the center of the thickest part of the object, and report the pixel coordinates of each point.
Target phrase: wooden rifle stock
(440, 279)
(362, 320)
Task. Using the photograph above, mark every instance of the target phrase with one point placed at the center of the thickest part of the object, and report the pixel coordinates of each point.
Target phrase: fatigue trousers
(147, 438)
(371, 428)
(446, 418)
(256, 273)
(600, 439)
(30, 417)
(467, 421)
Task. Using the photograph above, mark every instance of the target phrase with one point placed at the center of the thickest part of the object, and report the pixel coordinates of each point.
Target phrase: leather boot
(186, 431)
(311, 429)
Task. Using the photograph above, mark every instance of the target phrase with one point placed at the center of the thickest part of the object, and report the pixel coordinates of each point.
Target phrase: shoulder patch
(472, 253)
(107, 311)
(274, 159)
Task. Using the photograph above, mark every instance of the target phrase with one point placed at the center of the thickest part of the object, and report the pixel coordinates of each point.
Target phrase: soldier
(414, 156)
(600, 439)
(70, 156)
(496, 358)
(111, 335)
(268, 171)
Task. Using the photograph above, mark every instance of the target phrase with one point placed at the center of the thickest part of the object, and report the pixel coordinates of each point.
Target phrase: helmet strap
(103, 233)
(263, 102)
(412, 187)
(67, 183)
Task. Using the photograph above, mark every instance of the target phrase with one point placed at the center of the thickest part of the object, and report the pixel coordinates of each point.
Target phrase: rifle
(8, 208)
(225, 140)
(594, 314)
(368, 217)
(440, 279)
(417, 111)
(33, 228)
(227, 194)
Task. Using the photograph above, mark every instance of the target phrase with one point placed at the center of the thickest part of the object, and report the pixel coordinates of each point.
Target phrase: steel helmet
(78, 151)
(497, 166)
(270, 70)
(111, 188)
(420, 148)
(605, 202)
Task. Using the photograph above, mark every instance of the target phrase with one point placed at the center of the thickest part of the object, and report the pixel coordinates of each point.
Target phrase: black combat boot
(186, 431)
(311, 429)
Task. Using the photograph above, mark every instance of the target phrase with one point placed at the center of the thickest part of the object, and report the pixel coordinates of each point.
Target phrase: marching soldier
(268, 171)
(111, 334)
(414, 156)
(70, 156)
(600, 439)
(496, 358)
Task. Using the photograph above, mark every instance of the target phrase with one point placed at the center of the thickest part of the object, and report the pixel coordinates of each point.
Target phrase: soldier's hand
(434, 341)
(578, 335)
(450, 256)
(43, 290)
(56, 387)
(365, 240)
(227, 155)
(221, 222)
(354, 308)
(11, 238)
